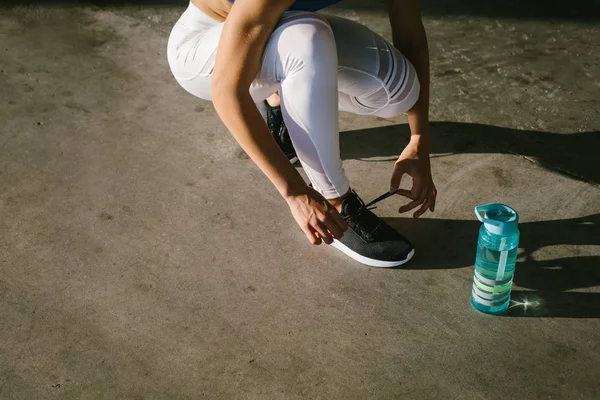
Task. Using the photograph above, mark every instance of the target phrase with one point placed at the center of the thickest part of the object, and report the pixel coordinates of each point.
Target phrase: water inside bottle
(492, 281)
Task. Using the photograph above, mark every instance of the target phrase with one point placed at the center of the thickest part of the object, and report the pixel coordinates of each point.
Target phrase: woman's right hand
(317, 218)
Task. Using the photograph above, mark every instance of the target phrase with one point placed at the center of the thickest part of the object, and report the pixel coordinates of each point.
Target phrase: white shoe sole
(370, 261)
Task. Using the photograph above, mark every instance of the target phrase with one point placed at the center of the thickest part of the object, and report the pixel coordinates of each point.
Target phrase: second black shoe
(369, 240)
(280, 132)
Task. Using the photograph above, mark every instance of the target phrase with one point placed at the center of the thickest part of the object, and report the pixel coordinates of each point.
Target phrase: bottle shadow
(549, 281)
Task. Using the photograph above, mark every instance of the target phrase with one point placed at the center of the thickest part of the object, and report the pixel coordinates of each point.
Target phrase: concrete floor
(143, 256)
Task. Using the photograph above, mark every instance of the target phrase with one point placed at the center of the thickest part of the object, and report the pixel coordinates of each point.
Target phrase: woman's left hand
(414, 161)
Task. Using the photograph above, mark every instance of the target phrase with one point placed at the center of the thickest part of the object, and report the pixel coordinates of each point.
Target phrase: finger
(405, 193)
(332, 224)
(397, 175)
(338, 219)
(424, 207)
(312, 236)
(323, 232)
(334, 229)
(410, 206)
(417, 189)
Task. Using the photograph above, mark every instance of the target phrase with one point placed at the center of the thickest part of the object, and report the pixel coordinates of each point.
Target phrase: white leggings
(318, 64)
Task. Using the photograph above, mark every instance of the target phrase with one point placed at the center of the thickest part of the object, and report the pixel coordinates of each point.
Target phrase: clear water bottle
(497, 249)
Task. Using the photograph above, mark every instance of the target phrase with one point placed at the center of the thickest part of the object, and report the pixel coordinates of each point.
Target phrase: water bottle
(497, 248)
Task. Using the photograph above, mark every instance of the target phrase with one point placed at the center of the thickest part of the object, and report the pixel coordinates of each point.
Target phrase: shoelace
(367, 207)
(383, 196)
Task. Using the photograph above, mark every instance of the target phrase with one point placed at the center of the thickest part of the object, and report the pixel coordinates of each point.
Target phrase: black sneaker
(369, 240)
(280, 132)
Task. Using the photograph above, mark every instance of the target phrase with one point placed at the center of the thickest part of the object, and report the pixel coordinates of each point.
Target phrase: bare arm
(409, 37)
(246, 31)
(245, 34)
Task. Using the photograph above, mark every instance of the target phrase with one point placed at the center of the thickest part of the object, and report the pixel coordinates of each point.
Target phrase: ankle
(274, 100)
(337, 202)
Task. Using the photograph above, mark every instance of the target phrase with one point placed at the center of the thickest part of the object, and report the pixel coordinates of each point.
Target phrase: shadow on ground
(573, 154)
(583, 10)
(548, 280)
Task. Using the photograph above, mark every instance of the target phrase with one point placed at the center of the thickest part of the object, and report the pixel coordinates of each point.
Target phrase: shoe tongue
(351, 204)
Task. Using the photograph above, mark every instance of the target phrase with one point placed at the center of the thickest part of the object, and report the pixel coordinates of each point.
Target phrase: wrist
(292, 191)
(420, 144)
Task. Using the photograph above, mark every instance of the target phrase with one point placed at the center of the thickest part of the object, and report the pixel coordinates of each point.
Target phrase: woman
(239, 54)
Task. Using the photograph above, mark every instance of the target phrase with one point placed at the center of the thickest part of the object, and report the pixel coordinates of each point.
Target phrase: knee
(305, 42)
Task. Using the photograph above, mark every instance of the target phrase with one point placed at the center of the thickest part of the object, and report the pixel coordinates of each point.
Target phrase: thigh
(192, 50)
(360, 52)
(371, 70)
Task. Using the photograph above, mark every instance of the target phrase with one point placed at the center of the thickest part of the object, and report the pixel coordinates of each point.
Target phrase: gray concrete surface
(143, 256)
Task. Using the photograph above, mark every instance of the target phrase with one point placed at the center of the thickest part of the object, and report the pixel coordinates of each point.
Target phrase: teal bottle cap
(499, 219)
